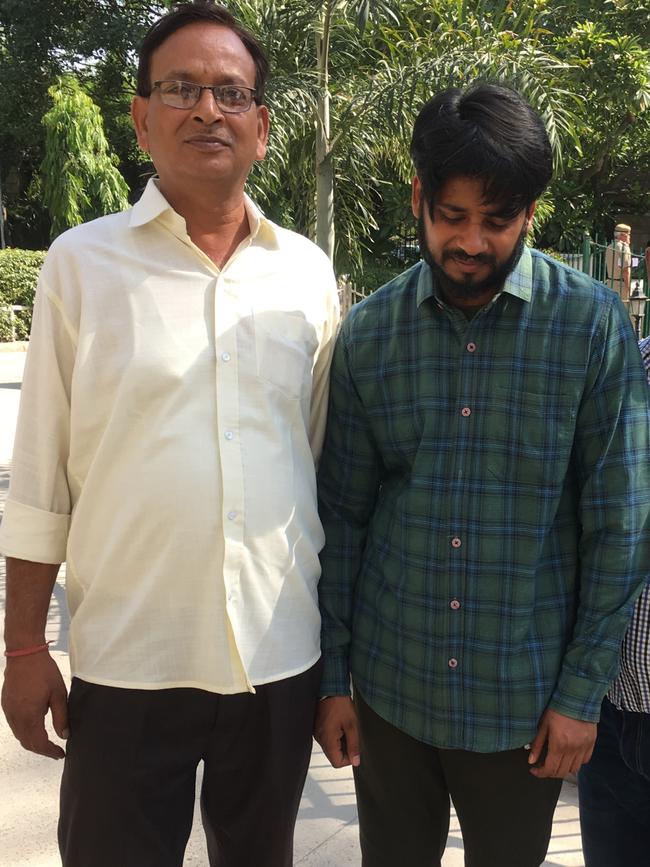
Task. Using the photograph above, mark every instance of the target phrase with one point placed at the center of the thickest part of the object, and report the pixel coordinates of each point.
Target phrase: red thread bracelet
(27, 651)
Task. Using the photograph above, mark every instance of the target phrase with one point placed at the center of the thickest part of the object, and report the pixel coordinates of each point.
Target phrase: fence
(603, 263)
(11, 310)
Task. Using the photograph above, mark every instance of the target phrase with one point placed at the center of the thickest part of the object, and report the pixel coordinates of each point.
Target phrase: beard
(470, 287)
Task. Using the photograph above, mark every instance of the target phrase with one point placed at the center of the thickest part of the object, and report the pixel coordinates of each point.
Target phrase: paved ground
(326, 833)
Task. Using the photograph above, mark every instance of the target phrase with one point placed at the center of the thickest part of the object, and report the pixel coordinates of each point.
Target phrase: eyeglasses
(231, 98)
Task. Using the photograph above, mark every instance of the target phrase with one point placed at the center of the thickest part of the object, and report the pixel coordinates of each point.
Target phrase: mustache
(462, 256)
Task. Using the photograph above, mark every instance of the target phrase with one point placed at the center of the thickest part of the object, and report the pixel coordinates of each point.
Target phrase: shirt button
(471, 347)
(454, 604)
(231, 516)
(455, 542)
(229, 435)
(466, 412)
(453, 663)
(225, 356)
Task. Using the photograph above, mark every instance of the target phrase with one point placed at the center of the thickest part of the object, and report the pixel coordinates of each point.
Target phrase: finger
(576, 764)
(549, 766)
(537, 746)
(333, 748)
(59, 710)
(352, 746)
(35, 740)
(566, 763)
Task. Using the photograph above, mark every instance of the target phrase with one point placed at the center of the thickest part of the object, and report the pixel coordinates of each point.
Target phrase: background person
(614, 786)
(618, 259)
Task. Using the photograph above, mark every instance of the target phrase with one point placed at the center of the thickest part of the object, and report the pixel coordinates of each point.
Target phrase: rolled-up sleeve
(36, 520)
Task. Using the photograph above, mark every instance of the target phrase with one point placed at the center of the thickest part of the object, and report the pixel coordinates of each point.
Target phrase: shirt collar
(519, 282)
(153, 205)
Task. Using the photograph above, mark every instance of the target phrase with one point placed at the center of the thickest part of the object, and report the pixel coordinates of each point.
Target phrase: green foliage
(79, 173)
(19, 270)
(584, 64)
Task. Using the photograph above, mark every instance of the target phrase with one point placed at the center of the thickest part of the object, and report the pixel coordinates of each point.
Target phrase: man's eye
(448, 219)
(234, 95)
(180, 88)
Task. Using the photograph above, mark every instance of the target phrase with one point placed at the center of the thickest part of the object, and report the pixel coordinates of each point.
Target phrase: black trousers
(403, 790)
(128, 787)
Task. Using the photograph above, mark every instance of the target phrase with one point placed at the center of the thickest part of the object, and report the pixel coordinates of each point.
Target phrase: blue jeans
(614, 790)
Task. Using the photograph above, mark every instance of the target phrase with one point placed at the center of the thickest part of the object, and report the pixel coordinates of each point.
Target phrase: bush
(19, 271)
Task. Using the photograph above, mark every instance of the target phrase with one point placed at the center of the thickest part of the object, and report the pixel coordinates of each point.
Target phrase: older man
(173, 408)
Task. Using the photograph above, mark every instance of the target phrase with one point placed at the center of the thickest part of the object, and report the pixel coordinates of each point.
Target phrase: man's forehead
(200, 43)
(464, 193)
(489, 208)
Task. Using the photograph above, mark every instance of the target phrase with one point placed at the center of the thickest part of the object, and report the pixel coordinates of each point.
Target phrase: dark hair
(189, 13)
(488, 132)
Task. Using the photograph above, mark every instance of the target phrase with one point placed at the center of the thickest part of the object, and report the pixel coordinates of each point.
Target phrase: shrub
(19, 271)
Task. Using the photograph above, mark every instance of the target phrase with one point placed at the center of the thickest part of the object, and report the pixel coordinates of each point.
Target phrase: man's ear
(139, 112)
(530, 213)
(416, 197)
(262, 131)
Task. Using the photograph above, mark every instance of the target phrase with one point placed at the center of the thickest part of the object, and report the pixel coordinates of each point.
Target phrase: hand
(569, 744)
(337, 731)
(32, 686)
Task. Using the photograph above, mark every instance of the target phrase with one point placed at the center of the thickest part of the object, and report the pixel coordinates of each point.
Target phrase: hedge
(19, 271)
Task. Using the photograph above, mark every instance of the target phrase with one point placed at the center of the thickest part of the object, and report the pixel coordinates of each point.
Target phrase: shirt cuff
(336, 675)
(578, 698)
(33, 534)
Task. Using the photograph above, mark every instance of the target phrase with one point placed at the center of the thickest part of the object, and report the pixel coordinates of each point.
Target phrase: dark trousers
(614, 791)
(128, 787)
(403, 792)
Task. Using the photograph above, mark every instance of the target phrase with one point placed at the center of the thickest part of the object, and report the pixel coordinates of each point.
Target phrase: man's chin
(469, 287)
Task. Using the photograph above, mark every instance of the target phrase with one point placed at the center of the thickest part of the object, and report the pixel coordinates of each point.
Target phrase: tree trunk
(324, 166)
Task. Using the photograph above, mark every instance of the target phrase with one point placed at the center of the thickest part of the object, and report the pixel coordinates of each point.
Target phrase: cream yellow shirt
(171, 416)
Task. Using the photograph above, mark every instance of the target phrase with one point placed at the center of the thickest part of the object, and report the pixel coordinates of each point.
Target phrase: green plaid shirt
(484, 490)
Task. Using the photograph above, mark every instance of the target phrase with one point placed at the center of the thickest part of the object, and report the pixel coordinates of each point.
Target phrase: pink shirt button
(471, 347)
(455, 542)
(453, 663)
(466, 412)
(454, 604)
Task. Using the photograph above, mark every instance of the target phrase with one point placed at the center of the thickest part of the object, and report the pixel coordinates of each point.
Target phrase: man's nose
(207, 109)
(472, 239)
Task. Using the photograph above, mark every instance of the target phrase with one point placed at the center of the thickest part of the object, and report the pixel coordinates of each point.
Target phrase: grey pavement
(327, 828)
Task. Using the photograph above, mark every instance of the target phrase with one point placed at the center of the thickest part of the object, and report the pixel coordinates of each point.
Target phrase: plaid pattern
(631, 689)
(484, 490)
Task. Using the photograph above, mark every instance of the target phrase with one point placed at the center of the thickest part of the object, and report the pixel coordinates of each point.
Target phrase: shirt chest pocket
(285, 345)
(529, 437)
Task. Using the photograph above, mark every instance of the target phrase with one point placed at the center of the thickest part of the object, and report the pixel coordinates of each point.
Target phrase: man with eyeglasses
(172, 413)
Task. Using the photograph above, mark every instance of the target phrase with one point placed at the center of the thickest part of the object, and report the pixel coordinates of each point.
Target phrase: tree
(80, 179)
(349, 79)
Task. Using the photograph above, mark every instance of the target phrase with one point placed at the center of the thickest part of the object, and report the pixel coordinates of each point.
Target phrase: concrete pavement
(327, 829)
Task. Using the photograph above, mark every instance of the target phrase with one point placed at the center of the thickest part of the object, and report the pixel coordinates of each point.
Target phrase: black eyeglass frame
(217, 91)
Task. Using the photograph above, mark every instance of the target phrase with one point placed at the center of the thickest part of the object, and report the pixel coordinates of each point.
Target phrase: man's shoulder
(79, 238)
(295, 243)
(568, 283)
(389, 302)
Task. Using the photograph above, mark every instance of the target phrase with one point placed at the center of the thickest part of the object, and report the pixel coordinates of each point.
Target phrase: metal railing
(12, 309)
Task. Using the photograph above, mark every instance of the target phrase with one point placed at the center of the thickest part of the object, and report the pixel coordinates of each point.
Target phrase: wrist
(27, 650)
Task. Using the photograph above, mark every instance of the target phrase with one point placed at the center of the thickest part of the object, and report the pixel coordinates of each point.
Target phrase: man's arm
(33, 683)
(348, 481)
(611, 461)
(321, 372)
